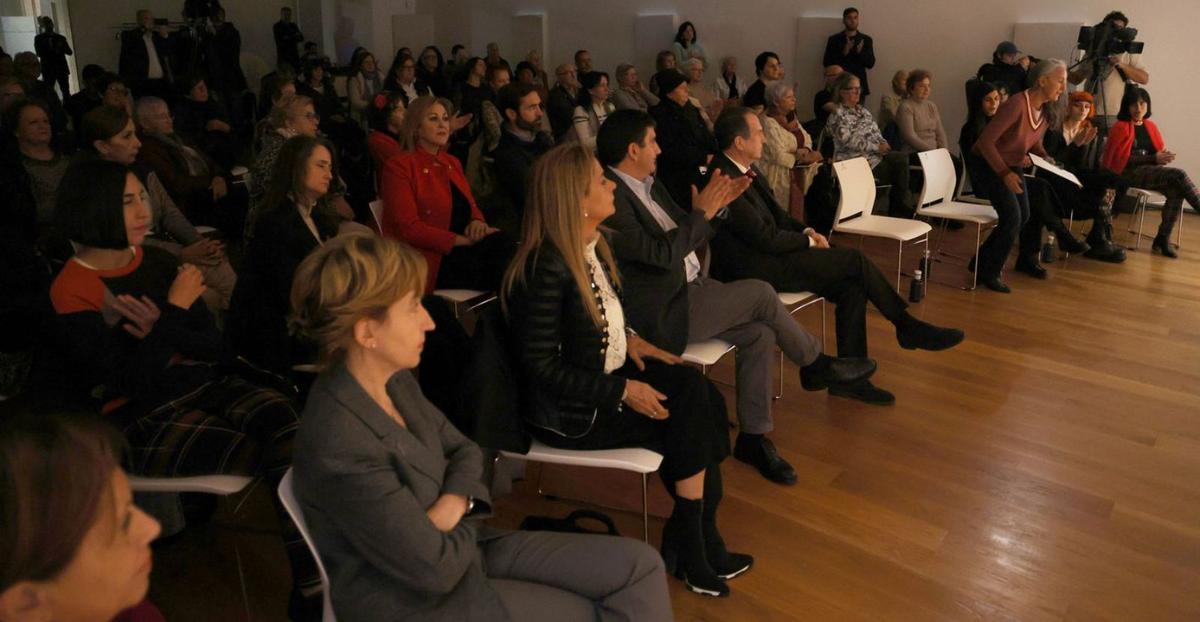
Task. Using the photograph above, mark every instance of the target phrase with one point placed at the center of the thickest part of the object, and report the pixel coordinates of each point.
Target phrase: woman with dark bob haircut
(73, 546)
(130, 320)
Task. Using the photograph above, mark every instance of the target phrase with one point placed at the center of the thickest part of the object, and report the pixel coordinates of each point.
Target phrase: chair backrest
(939, 176)
(288, 498)
(858, 189)
(377, 212)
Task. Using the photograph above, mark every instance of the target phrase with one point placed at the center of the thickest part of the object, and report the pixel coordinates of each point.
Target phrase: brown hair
(102, 123)
(415, 115)
(351, 277)
(55, 473)
(288, 176)
(914, 77)
(287, 107)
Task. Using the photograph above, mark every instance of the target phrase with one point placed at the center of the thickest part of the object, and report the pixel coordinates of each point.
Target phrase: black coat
(560, 107)
(287, 37)
(134, 64)
(686, 144)
(757, 233)
(559, 350)
(1013, 77)
(52, 49)
(514, 160)
(653, 275)
(856, 62)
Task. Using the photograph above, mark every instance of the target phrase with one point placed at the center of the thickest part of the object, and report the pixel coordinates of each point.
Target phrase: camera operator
(1106, 73)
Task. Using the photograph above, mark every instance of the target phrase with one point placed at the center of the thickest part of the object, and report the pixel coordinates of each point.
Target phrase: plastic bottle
(916, 288)
(1048, 252)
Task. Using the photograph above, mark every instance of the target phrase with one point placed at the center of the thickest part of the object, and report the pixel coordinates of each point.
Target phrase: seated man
(761, 241)
(670, 303)
(521, 142)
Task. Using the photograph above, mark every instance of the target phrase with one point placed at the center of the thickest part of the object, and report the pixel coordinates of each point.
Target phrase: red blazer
(382, 148)
(415, 188)
(1120, 144)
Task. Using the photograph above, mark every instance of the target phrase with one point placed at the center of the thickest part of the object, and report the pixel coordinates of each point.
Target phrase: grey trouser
(569, 577)
(748, 314)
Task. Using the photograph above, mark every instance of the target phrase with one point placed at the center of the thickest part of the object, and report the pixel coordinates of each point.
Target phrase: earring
(373, 345)
(585, 214)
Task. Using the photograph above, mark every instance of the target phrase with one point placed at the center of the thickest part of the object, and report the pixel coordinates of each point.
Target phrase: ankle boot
(683, 549)
(725, 564)
(1163, 245)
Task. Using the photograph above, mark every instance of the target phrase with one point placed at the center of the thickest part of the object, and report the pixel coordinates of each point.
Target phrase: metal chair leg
(645, 513)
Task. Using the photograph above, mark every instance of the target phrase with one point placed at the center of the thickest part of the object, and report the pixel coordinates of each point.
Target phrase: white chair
(377, 213)
(1144, 199)
(288, 498)
(936, 201)
(854, 217)
(635, 459)
(795, 301)
(463, 300)
(706, 353)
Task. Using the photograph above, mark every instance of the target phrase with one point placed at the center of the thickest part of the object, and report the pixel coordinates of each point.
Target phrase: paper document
(1047, 166)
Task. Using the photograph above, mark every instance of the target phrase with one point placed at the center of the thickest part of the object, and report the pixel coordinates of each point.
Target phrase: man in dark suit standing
(287, 37)
(851, 50)
(144, 53)
(52, 49)
(761, 241)
(670, 302)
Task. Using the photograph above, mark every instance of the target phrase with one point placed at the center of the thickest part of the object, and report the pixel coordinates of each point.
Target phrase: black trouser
(848, 279)
(1013, 212)
(444, 359)
(479, 266)
(893, 170)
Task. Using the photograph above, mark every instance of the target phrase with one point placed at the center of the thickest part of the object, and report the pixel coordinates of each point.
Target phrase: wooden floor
(1046, 469)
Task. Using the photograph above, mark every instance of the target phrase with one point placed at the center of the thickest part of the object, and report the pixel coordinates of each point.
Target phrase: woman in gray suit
(392, 492)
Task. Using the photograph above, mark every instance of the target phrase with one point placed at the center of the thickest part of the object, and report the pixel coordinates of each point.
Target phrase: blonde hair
(415, 114)
(561, 178)
(287, 107)
(350, 278)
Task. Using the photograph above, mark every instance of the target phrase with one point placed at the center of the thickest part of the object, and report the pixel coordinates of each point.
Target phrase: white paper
(1045, 165)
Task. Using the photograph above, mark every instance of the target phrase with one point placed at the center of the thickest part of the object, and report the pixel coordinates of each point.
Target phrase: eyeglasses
(852, 89)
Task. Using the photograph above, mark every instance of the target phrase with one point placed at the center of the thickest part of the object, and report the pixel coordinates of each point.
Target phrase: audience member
(856, 135)
(74, 545)
(728, 86)
(534, 58)
(385, 119)
(29, 123)
(274, 87)
(228, 79)
(788, 155)
(917, 117)
(560, 106)
(1005, 143)
(312, 84)
(144, 54)
(768, 68)
(662, 62)
(11, 91)
(458, 56)
(111, 134)
(52, 49)
(88, 97)
(702, 96)
(202, 120)
(130, 319)
(28, 69)
(684, 138)
(287, 37)
(592, 108)
(431, 71)
(1106, 78)
(470, 91)
(365, 81)
(825, 101)
(1004, 69)
(581, 365)
(397, 543)
(760, 241)
(1135, 150)
(402, 78)
(583, 61)
(114, 92)
(493, 56)
(492, 121)
(428, 204)
(630, 92)
(687, 45)
(521, 143)
(889, 104)
(670, 302)
(851, 50)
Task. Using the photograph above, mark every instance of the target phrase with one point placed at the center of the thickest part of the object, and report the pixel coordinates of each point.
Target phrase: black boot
(1069, 243)
(1163, 245)
(1029, 265)
(1102, 247)
(683, 549)
(727, 565)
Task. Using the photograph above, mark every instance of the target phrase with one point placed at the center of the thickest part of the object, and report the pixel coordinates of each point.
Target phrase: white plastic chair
(795, 301)
(288, 498)
(377, 213)
(854, 217)
(1142, 200)
(463, 300)
(635, 459)
(936, 201)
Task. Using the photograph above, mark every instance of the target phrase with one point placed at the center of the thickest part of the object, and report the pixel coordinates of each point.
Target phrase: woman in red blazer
(1135, 150)
(428, 204)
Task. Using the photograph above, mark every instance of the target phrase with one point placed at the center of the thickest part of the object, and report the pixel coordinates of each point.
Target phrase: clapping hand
(142, 313)
(460, 121)
(720, 191)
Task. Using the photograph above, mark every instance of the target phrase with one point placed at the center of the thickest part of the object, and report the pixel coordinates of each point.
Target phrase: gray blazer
(364, 483)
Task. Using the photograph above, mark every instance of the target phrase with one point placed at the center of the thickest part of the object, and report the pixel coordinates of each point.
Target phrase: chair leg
(975, 272)
(1179, 227)
(645, 513)
(823, 336)
(899, 265)
(237, 553)
(779, 395)
(1141, 224)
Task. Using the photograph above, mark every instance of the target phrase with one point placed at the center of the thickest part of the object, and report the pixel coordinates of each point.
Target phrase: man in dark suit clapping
(144, 53)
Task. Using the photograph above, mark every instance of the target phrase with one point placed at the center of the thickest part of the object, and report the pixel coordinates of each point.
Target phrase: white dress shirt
(642, 190)
(155, 70)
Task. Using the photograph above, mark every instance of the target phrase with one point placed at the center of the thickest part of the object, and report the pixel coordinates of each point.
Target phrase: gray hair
(695, 62)
(143, 106)
(777, 91)
(1044, 67)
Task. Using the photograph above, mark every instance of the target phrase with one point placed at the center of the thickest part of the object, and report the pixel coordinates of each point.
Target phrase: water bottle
(916, 289)
(1048, 254)
(926, 259)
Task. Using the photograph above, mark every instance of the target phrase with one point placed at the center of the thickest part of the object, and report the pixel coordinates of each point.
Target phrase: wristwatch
(470, 506)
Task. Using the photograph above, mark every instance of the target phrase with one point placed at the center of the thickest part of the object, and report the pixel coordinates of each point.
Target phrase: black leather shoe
(918, 335)
(1033, 269)
(1070, 244)
(759, 452)
(1163, 246)
(996, 285)
(827, 370)
(1103, 250)
(863, 391)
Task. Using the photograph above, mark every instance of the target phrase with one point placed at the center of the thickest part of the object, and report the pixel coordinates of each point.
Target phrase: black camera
(1104, 40)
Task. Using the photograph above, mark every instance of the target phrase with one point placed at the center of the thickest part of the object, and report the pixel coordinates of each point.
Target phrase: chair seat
(794, 298)
(213, 484)
(238, 171)
(1152, 197)
(966, 212)
(903, 229)
(458, 295)
(634, 459)
(706, 352)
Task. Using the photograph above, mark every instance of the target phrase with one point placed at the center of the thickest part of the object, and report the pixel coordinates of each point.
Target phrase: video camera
(1104, 40)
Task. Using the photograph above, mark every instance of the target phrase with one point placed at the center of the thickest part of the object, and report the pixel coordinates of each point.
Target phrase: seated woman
(202, 120)
(313, 86)
(856, 135)
(590, 384)
(592, 108)
(685, 140)
(889, 104)
(29, 123)
(788, 153)
(663, 61)
(74, 545)
(917, 117)
(1136, 151)
(431, 70)
(392, 492)
(385, 117)
(111, 135)
(729, 86)
(428, 204)
(294, 223)
(130, 321)
(366, 80)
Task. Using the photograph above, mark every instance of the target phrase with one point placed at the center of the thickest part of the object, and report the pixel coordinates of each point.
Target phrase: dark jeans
(1013, 212)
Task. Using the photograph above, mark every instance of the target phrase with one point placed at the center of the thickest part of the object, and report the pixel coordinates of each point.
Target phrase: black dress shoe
(996, 285)
(1104, 250)
(913, 334)
(758, 451)
(1033, 269)
(863, 391)
(1163, 246)
(1070, 244)
(827, 370)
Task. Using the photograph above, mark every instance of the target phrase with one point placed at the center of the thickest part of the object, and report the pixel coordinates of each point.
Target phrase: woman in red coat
(429, 205)
(1136, 151)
